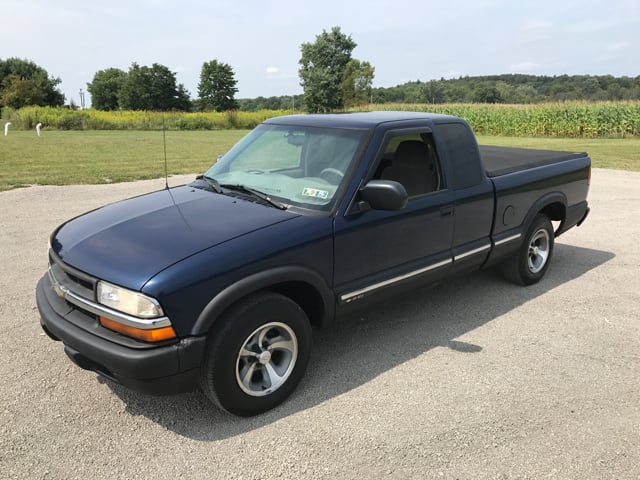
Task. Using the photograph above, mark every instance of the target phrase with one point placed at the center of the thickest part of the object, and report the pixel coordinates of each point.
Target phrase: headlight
(128, 301)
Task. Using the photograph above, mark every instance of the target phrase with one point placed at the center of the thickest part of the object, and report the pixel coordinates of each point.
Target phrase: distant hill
(512, 88)
(507, 88)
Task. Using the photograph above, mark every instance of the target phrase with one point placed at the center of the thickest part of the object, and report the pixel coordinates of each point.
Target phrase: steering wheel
(331, 175)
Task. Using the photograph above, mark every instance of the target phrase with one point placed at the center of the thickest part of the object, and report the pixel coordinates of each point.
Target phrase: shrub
(569, 119)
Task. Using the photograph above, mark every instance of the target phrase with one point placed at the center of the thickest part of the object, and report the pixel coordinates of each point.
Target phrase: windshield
(301, 166)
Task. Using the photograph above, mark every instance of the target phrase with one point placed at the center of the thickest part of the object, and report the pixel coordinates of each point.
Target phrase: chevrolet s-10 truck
(308, 218)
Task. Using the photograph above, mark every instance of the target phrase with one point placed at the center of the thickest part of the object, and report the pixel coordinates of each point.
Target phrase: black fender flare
(542, 203)
(263, 281)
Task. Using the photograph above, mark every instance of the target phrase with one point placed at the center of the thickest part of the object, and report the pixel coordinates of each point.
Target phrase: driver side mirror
(384, 195)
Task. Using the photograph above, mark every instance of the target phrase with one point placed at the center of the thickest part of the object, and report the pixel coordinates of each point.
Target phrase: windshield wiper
(254, 193)
(212, 183)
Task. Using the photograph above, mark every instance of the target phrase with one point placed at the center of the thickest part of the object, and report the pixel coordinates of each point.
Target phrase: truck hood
(130, 241)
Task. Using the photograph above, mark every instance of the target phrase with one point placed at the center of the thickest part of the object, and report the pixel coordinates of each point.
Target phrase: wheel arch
(553, 205)
(305, 287)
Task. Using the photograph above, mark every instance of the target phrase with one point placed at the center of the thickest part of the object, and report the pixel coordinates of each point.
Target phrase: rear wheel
(258, 355)
(531, 261)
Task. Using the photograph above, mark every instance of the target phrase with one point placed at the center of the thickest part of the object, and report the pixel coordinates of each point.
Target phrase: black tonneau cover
(502, 160)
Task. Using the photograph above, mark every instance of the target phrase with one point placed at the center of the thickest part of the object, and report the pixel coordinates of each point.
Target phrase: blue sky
(404, 40)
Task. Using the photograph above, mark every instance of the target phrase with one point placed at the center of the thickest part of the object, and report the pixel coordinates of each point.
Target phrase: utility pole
(81, 100)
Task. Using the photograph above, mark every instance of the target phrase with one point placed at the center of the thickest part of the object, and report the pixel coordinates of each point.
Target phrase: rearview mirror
(295, 138)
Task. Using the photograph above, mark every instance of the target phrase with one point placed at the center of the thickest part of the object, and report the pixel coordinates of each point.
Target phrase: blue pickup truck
(308, 218)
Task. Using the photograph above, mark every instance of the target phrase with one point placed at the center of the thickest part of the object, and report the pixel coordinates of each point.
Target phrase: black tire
(257, 355)
(532, 260)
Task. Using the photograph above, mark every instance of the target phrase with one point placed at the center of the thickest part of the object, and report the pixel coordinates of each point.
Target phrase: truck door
(377, 252)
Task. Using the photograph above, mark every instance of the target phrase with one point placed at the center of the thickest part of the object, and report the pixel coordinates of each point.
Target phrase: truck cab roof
(357, 119)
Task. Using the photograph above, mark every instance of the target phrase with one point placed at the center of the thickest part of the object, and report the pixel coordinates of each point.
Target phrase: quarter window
(462, 150)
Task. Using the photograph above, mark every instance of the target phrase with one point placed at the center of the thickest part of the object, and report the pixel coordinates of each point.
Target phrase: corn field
(568, 120)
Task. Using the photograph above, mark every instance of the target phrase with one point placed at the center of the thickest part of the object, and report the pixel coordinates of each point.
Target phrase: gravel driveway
(473, 379)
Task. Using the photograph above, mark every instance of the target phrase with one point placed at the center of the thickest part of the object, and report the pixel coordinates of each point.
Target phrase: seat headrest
(411, 153)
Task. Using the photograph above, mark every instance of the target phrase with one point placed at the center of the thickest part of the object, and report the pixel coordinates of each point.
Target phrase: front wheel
(258, 355)
(531, 261)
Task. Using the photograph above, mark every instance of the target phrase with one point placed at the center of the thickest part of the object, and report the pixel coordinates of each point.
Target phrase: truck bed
(499, 161)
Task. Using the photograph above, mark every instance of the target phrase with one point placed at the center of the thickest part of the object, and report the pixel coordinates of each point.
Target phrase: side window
(466, 167)
(411, 160)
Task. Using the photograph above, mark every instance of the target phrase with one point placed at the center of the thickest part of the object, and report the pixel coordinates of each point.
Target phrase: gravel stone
(473, 379)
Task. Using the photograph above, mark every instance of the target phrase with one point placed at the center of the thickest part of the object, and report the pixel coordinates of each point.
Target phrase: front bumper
(163, 369)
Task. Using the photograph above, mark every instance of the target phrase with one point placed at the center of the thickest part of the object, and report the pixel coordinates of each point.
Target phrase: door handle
(447, 210)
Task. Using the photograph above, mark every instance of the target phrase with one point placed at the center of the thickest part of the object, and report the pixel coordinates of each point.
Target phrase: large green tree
(356, 83)
(322, 67)
(105, 88)
(19, 92)
(24, 83)
(152, 88)
(432, 92)
(487, 93)
(217, 87)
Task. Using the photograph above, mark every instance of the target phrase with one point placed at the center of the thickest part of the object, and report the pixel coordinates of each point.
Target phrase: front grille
(78, 289)
(71, 279)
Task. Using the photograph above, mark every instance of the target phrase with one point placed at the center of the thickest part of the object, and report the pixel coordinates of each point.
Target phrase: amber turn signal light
(152, 335)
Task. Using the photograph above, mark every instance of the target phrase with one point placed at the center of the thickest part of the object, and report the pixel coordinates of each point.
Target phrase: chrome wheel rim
(266, 359)
(539, 250)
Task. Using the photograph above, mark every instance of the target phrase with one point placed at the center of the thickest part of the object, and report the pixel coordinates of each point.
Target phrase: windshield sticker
(315, 193)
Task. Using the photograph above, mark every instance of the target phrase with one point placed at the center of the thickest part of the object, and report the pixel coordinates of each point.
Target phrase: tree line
(513, 88)
(331, 78)
(506, 89)
(155, 88)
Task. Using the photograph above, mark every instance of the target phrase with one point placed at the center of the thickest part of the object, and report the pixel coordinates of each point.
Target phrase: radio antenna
(164, 143)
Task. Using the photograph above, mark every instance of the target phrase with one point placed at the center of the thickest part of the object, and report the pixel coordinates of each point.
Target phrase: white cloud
(618, 46)
(535, 31)
(275, 73)
(452, 74)
(592, 25)
(537, 25)
(524, 66)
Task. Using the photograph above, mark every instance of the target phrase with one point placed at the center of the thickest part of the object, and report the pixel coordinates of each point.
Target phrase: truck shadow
(362, 347)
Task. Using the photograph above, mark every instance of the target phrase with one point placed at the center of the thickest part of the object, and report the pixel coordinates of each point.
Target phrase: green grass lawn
(91, 157)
